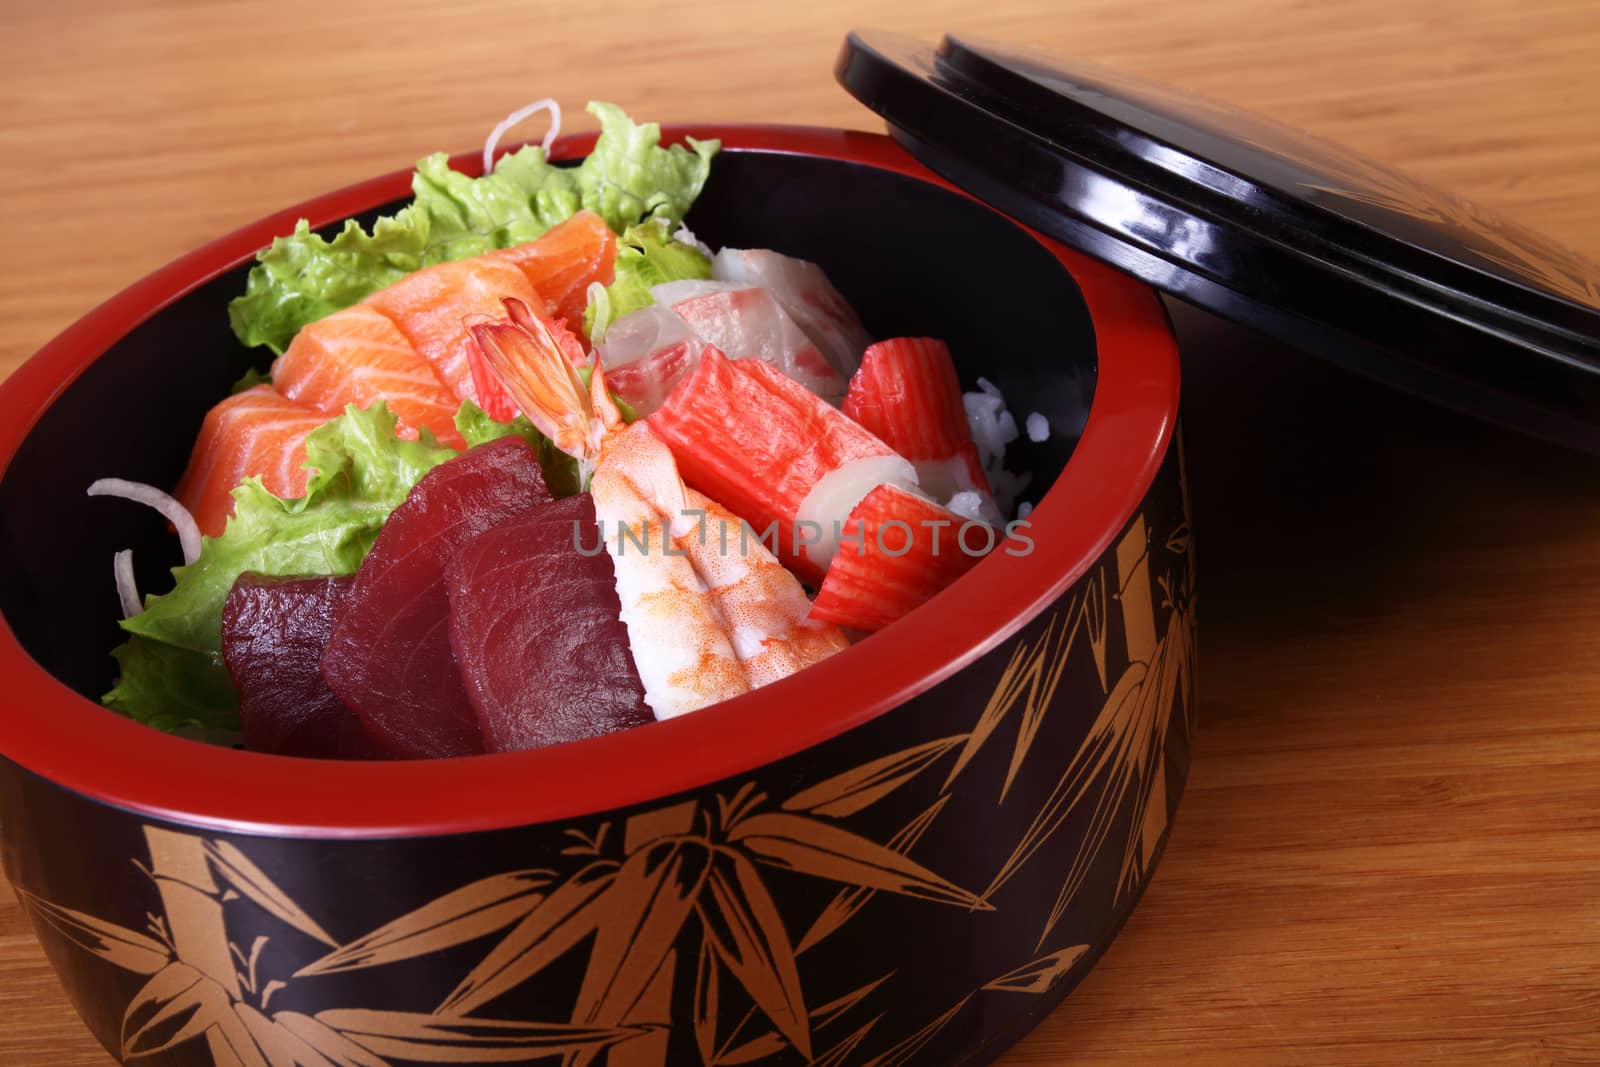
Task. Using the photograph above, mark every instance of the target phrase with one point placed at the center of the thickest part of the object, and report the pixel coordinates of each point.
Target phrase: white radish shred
(1038, 428)
(545, 104)
(836, 494)
(127, 590)
(150, 496)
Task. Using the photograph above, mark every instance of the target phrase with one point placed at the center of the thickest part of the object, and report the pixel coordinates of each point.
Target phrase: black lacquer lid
(1301, 239)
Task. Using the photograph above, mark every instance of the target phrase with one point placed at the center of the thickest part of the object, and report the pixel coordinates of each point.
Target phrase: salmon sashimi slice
(255, 432)
(358, 356)
(431, 305)
(563, 263)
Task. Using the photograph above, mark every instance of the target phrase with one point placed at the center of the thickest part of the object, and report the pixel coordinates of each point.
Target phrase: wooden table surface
(1390, 847)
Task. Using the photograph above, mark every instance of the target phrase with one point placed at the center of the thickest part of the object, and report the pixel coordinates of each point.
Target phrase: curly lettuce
(626, 179)
(647, 255)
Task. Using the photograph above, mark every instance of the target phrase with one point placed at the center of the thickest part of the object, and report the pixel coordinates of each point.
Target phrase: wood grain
(1390, 849)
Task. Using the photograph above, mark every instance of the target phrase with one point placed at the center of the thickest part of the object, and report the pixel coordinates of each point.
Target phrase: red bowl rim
(76, 743)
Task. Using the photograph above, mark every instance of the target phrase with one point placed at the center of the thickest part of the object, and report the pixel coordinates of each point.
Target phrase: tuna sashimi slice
(753, 439)
(750, 324)
(389, 657)
(254, 432)
(430, 307)
(358, 356)
(806, 294)
(563, 263)
(273, 633)
(537, 632)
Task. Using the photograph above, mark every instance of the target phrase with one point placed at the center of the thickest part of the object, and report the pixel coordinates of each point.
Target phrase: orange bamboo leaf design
(743, 925)
(647, 904)
(796, 843)
(117, 945)
(328, 1041)
(177, 1004)
(848, 901)
(863, 786)
(1039, 975)
(706, 997)
(282, 1047)
(440, 1039)
(232, 1046)
(827, 1013)
(570, 913)
(1013, 681)
(1093, 757)
(466, 914)
(840, 1054)
(1094, 617)
(757, 1048)
(914, 1044)
(245, 878)
(654, 1007)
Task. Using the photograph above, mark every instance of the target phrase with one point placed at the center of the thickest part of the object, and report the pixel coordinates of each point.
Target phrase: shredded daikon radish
(150, 496)
(546, 104)
(127, 591)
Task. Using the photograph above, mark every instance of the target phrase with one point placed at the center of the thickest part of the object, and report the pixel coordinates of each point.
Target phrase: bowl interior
(914, 259)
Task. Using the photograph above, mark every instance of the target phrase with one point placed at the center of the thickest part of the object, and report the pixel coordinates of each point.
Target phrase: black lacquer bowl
(906, 854)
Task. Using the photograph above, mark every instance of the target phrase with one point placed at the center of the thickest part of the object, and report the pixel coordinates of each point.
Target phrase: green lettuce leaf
(171, 688)
(647, 255)
(627, 178)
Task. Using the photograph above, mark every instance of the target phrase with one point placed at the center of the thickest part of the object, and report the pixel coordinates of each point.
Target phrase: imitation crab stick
(752, 438)
(907, 393)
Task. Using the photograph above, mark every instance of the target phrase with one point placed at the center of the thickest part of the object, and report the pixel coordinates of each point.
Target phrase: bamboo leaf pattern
(757, 1048)
(914, 1044)
(234, 868)
(847, 902)
(177, 1004)
(654, 1009)
(231, 1044)
(570, 913)
(796, 843)
(840, 1054)
(328, 1041)
(117, 945)
(744, 927)
(823, 1015)
(706, 998)
(440, 1039)
(282, 1047)
(1092, 758)
(1038, 976)
(863, 786)
(468, 913)
(653, 895)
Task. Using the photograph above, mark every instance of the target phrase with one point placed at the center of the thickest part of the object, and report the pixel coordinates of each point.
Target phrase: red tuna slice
(273, 633)
(537, 631)
(389, 656)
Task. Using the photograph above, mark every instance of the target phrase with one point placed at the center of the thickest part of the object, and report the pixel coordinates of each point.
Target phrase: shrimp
(710, 612)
